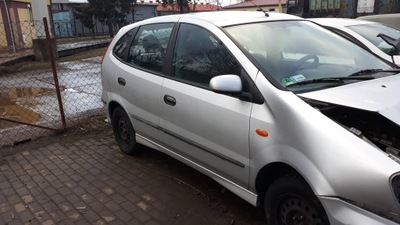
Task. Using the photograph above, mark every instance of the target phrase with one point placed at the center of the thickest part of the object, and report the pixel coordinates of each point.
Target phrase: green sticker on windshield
(287, 81)
(293, 79)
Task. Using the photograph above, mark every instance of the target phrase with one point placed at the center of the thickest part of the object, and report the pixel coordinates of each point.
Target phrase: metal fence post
(55, 76)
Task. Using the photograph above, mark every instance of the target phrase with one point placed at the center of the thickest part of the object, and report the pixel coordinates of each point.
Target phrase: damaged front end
(369, 126)
(373, 128)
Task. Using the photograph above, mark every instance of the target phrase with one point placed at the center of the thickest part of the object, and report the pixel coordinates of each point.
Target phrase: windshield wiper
(373, 71)
(359, 75)
(336, 80)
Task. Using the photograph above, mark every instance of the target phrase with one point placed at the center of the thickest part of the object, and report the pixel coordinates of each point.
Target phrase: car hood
(379, 95)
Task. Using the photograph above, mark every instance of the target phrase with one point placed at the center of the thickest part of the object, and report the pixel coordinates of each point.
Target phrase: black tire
(290, 201)
(123, 132)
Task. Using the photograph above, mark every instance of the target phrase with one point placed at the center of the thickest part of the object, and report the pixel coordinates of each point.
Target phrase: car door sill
(203, 148)
(235, 188)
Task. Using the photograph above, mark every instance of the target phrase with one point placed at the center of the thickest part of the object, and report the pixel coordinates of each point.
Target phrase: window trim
(170, 71)
(166, 50)
(125, 55)
(255, 94)
(136, 30)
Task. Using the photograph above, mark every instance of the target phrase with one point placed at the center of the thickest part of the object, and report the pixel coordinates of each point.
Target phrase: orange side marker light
(262, 132)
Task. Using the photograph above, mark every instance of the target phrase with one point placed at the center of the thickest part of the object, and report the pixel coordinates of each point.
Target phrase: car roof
(227, 18)
(388, 19)
(340, 22)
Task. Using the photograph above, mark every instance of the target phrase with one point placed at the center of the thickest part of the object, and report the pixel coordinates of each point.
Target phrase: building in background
(168, 9)
(66, 24)
(141, 11)
(257, 5)
(341, 8)
(17, 27)
(63, 18)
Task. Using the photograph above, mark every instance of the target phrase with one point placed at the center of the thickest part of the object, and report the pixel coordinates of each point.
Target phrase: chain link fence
(68, 29)
(42, 93)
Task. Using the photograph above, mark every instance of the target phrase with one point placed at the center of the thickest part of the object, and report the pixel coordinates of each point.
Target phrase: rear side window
(122, 44)
(149, 47)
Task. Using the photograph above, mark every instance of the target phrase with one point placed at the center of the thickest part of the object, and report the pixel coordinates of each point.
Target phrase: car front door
(208, 128)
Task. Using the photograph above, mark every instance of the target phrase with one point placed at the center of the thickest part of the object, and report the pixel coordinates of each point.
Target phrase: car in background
(284, 113)
(392, 19)
(366, 34)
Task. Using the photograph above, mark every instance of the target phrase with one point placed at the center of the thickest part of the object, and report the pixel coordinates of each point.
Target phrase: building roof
(192, 7)
(256, 3)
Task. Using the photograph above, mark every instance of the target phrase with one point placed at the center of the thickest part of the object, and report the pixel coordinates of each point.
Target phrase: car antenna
(260, 9)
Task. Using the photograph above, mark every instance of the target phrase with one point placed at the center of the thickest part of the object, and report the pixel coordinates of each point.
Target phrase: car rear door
(208, 128)
(140, 77)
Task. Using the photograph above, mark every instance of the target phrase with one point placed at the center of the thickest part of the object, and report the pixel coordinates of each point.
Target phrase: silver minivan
(282, 112)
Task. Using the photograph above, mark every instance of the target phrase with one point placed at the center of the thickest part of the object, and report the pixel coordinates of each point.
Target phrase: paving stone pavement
(85, 179)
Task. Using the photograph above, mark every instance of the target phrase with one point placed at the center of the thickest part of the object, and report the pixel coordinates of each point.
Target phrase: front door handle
(169, 100)
(121, 81)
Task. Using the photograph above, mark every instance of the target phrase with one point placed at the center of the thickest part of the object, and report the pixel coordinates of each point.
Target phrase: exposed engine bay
(370, 126)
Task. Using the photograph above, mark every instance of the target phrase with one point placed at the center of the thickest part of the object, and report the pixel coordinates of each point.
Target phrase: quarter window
(149, 47)
(200, 56)
(122, 44)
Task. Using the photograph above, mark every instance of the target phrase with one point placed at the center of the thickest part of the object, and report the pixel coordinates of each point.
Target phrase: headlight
(393, 216)
(396, 191)
(396, 187)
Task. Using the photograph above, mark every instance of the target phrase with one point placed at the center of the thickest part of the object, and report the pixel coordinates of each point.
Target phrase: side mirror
(396, 60)
(226, 84)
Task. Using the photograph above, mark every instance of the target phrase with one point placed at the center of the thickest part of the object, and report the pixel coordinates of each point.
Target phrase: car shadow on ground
(219, 199)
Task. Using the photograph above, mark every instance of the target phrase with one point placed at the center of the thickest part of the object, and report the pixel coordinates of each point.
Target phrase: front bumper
(343, 213)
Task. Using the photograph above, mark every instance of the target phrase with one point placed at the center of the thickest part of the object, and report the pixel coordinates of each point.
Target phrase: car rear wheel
(123, 132)
(290, 201)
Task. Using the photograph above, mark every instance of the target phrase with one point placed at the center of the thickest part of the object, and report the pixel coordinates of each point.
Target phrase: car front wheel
(123, 132)
(290, 201)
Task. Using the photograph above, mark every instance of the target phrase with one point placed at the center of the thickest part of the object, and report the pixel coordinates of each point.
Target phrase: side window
(199, 56)
(122, 44)
(149, 46)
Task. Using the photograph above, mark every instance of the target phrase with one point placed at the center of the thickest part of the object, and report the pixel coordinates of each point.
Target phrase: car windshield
(292, 52)
(371, 31)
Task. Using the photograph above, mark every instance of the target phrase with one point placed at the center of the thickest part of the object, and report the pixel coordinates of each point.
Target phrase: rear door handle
(169, 100)
(121, 81)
